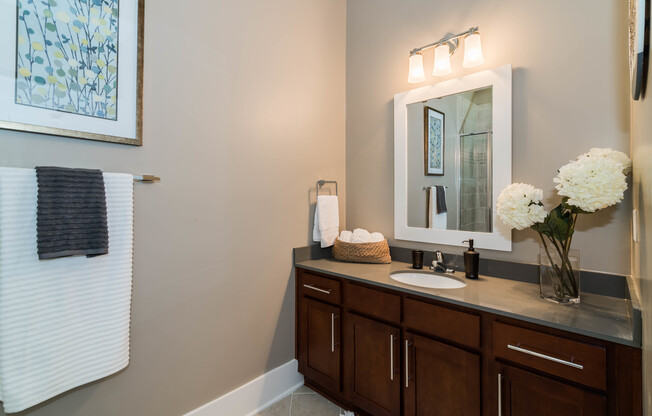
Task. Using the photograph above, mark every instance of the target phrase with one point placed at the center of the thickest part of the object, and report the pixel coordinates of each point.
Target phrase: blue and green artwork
(435, 136)
(67, 56)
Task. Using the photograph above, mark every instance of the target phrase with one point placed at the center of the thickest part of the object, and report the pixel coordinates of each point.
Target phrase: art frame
(639, 16)
(73, 68)
(434, 132)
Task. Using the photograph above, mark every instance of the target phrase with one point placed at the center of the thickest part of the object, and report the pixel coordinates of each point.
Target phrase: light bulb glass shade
(472, 51)
(416, 69)
(442, 61)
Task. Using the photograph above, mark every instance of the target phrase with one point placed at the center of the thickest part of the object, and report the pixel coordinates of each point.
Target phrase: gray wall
(244, 111)
(570, 93)
(641, 144)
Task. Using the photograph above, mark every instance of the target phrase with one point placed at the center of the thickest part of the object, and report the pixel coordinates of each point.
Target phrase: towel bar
(425, 188)
(147, 179)
(321, 182)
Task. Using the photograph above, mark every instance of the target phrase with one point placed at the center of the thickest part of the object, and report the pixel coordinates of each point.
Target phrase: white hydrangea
(519, 206)
(594, 181)
(614, 155)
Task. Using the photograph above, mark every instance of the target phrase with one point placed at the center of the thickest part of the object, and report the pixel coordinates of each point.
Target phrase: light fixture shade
(472, 51)
(442, 61)
(416, 69)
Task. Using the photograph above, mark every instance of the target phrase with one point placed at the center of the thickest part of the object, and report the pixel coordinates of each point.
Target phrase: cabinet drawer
(456, 326)
(319, 287)
(373, 302)
(572, 360)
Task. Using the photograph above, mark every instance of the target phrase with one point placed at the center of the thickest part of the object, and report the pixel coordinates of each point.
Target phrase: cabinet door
(319, 347)
(372, 371)
(440, 379)
(526, 394)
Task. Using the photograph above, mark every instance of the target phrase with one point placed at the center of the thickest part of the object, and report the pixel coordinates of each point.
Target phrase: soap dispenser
(471, 261)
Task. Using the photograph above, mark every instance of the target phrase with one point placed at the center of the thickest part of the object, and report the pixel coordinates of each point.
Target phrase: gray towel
(71, 213)
(441, 199)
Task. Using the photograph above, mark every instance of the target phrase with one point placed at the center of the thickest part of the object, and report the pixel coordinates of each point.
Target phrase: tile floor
(303, 402)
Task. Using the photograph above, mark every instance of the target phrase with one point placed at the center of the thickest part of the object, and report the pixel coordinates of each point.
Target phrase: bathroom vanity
(382, 347)
(494, 347)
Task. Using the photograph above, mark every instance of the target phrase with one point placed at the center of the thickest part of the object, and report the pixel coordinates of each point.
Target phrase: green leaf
(39, 80)
(61, 72)
(51, 27)
(559, 223)
(37, 99)
(572, 208)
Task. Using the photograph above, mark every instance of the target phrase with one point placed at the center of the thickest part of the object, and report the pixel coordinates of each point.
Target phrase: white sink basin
(429, 280)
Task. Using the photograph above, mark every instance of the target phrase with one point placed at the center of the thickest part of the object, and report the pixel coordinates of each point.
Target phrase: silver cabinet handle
(313, 287)
(500, 394)
(545, 357)
(407, 363)
(332, 332)
(391, 357)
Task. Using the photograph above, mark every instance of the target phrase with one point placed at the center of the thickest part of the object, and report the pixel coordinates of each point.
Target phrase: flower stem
(562, 271)
(555, 274)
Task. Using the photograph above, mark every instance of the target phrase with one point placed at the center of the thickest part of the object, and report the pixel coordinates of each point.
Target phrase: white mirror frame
(501, 80)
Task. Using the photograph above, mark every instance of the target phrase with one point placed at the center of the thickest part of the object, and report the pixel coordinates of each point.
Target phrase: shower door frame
(489, 134)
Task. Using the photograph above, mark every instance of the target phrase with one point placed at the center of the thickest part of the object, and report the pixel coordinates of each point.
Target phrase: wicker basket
(362, 252)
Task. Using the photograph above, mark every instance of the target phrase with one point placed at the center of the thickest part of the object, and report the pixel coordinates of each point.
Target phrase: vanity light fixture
(442, 64)
(416, 69)
(444, 48)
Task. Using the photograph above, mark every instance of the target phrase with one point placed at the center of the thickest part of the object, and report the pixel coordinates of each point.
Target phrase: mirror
(452, 158)
(449, 162)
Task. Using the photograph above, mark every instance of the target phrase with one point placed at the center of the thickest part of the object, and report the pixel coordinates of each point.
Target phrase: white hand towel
(438, 221)
(346, 236)
(327, 220)
(377, 237)
(63, 322)
(360, 236)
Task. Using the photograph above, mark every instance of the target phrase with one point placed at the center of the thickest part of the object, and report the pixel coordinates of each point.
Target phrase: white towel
(376, 237)
(63, 322)
(327, 220)
(345, 236)
(438, 221)
(360, 235)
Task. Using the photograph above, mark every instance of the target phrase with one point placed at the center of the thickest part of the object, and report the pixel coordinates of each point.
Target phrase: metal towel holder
(322, 182)
(147, 179)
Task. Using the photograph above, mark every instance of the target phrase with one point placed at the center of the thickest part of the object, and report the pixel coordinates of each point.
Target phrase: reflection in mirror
(449, 162)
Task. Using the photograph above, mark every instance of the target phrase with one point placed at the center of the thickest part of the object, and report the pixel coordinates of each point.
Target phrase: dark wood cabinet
(319, 342)
(527, 394)
(383, 352)
(442, 380)
(372, 379)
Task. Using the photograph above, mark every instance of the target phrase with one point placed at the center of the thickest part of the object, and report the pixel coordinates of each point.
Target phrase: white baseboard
(258, 394)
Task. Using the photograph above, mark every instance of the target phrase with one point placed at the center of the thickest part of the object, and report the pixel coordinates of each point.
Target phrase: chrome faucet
(438, 264)
(439, 256)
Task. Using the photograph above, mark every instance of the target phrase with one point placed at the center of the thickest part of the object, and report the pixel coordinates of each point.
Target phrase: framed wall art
(637, 45)
(434, 128)
(73, 68)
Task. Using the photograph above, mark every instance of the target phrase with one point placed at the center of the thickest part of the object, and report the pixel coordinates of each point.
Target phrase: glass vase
(559, 276)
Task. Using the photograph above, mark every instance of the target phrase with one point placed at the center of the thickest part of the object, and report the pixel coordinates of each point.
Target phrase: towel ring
(322, 182)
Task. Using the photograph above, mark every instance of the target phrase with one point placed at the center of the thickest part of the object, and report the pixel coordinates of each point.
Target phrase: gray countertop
(603, 317)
